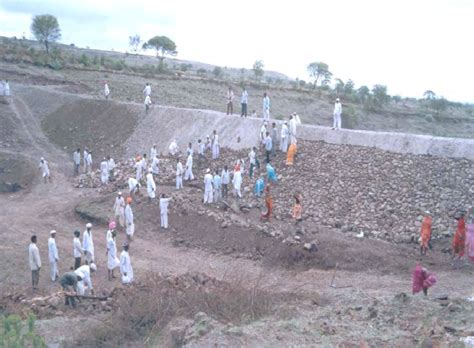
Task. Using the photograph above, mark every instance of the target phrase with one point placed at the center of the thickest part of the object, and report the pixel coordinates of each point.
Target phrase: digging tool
(334, 276)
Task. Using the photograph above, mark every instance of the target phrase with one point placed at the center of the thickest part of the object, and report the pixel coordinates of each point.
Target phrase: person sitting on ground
(422, 280)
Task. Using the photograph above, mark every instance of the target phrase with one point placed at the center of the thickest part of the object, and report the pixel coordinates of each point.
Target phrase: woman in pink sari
(422, 280)
(470, 235)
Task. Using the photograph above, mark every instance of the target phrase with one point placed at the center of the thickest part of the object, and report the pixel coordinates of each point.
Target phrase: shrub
(13, 332)
(84, 60)
(202, 72)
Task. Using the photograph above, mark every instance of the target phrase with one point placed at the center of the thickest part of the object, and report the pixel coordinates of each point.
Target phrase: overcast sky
(408, 45)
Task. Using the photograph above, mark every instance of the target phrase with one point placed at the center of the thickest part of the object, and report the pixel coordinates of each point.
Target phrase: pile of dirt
(15, 173)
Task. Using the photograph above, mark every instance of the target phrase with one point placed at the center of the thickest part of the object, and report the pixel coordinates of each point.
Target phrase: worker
(337, 115)
(459, 239)
(188, 175)
(88, 244)
(119, 209)
(189, 150)
(216, 184)
(134, 186)
(150, 185)
(290, 156)
(215, 145)
(85, 154)
(201, 149)
(179, 174)
(422, 280)
(268, 146)
(237, 180)
(155, 165)
(85, 285)
(34, 261)
(129, 223)
(68, 282)
(89, 162)
(425, 233)
(252, 160)
(76, 156)
(126, 265)
(230, 101)
(104, 171)
(138, 168)
(284, 134)
(271, 174)
(292, 129)
(266, 107)
(147, 90)
(297, 210)
(173, 148)
(470, 234)
(45, 170)
(147, 103)
(106, 90)
(208, 197)
(153, 151)
(77, 249)
(274, 136)
(225, 180)
(112, 259)
(268, 204)
(164, 202)
(111, 165)
(259, 186)
(112, 226)
(53, 255)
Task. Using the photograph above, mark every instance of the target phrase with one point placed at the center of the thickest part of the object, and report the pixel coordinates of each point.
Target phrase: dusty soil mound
(100, 125)
(16, 173)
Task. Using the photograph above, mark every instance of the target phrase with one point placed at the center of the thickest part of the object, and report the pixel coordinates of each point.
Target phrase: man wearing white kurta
(263, 132)
(173, 148)
(85, 272)
(147, 90)
(215, 145)
(104, 171)
(85, 154)
(88, 244)
(53, 256)
(45, 170)
(126, 266)
(237, 181)
(179, 175)
(164, 202)
(106, 90)
(147, 103)
(129, 223)
(112, 259)
(292, 129)
(284, 137)
(34, 261)
(153, 151)
(337, 115)
(76, 156)
(188, 175)
(266, 107)
(119, 209)
(208, 198)
(216, 183)
(150, 185)
(225, 180)
(89, 162)
(111, 165)
(6, 89)
(155, 169)
(77, 249)
(138, 170)
(133, 186)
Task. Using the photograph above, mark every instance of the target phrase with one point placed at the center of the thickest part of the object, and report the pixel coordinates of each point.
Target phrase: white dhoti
(54, 270)
(336, 124)
(188, 175)
(215, 151)
(179, 182)
(164, 219)
(130, 230)
(284, 145)
(208, 197)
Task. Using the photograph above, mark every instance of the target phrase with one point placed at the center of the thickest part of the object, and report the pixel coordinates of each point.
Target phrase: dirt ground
(366, 308)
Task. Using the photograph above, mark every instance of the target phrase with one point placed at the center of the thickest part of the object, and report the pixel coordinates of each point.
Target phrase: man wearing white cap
(208, 198)
(45, 170)
(173, 148)
(133, 186)
(84, 272)
(126, 265)
(284, 137)
(150, 185)
(337, 115)
(119, 209)
(53, 256)
(88, 244)
(164, 202)
(188, 175)
(106, 90)
(35, 262)
(104, 171)
(237, 180)
(179, 174)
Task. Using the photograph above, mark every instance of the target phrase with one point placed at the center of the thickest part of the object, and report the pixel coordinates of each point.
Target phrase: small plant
(14, 333)
(84, 60)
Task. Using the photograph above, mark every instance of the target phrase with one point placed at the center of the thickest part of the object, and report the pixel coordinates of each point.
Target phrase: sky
(408, 45)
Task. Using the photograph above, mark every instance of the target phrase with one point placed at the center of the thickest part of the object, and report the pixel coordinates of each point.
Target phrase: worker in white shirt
(34, 261)
(337, 115)
(147, 90)
(164, 202)
(53, 255)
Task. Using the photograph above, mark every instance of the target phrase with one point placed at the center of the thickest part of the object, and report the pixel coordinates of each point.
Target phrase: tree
(46, 29)
(363, 92)
(319, 71)
(439, 104)
(258, 69)
(134, 43)
(380, 95)
(349, 87)
(163, 45)
(429, 95)
(217, 71)
(339, 87)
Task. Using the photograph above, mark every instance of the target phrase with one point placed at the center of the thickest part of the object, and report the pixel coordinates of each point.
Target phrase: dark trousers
(76, 169)
(77, 262)
(70, 301)
(35, 278)
(267, 155)
(244, 109)
(225, 190)
(230, 108)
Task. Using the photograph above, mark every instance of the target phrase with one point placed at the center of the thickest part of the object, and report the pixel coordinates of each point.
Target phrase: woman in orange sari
(268, 204)
(459, 239)
(425, 232)
(290, 155)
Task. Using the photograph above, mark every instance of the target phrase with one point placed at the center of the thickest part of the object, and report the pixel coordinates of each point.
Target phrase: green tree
(438, 104)
(201, 72)
(339, 87)
(429, 95)
(134, 43)
(380, 95)
(217, 71)
(349, 88)
(45, 29)
(363, 93)
(163, 46)
(258, 69)
(319, 71)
